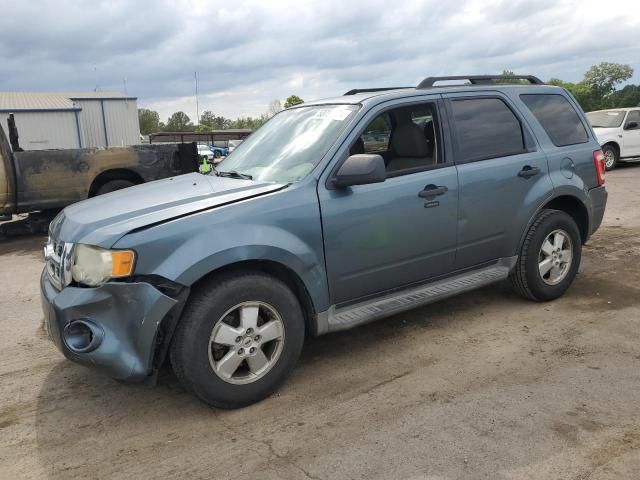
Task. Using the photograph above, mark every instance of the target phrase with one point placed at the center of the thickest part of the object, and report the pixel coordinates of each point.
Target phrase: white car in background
(233, 144)
(205, 151)
(618, 131)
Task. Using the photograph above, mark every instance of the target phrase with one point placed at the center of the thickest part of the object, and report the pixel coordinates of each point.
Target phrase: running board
(336, 319)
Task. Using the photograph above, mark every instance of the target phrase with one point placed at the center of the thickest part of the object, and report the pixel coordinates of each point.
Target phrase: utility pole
(197, 110)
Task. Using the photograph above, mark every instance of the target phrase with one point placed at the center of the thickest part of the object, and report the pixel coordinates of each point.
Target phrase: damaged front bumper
(113, 328)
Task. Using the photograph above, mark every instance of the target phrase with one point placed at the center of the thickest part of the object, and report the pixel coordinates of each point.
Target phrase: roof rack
(365, 90)
(479, 79)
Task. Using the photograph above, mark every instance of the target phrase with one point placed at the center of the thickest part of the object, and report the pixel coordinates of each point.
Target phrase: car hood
(103, 220)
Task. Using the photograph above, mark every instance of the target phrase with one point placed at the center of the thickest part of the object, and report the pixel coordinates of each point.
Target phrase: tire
(113, 185)
(527, 278)
(194, 357)
(217, 154)
(611, 157)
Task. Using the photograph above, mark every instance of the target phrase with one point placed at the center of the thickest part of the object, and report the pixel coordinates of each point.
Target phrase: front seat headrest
(408, 141)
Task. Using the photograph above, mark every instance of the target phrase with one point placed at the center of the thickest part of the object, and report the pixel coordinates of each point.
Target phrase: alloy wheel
(246, 342)
(555, 257)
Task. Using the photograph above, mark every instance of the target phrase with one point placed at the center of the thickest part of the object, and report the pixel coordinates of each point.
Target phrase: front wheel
(239, 338)
(610, 157)
(549, 258)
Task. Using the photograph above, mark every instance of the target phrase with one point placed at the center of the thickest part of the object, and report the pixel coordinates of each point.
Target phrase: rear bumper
(123, 317)
(598, 197)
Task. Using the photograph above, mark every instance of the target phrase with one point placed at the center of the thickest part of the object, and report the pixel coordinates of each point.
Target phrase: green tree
(629, 96)
(292, 100)
(509, 73)
(179, 122)
(214, 122)
(603, 78)
(149, 121)
(252, 123)
(207, 119)
(581, 92)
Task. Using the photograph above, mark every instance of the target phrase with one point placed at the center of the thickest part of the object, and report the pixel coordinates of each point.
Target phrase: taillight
(598, 160)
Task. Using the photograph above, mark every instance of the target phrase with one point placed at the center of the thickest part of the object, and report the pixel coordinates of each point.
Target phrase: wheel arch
(614, 144)
(572, 206)
(114, 174)
(276, 270)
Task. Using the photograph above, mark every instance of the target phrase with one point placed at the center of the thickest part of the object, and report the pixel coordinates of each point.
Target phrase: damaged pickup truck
(48, 180)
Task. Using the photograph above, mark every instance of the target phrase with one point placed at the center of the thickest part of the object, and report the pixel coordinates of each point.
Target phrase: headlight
(93, 266)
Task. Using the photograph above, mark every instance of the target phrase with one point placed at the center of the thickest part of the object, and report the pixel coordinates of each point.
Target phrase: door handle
(528, 171)
(431, 191)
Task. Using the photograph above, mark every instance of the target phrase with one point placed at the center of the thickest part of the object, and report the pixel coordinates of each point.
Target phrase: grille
(57, 255)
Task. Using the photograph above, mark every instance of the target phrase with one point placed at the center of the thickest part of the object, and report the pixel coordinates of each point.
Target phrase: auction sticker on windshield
(334, 113)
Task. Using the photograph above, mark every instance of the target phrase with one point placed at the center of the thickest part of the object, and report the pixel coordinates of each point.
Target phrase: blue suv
(333, 214)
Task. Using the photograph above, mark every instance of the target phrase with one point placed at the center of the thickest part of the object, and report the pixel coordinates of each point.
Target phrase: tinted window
(486, 128)
(558, 118)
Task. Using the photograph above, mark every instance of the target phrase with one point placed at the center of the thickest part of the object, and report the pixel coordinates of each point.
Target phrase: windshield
(606, 119)
(290, 145)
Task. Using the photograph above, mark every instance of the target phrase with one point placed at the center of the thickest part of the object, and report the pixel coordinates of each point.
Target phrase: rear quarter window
(558, 118)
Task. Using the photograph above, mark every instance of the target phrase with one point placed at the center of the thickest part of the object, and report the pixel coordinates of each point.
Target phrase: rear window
(486, 128)
(558, 118)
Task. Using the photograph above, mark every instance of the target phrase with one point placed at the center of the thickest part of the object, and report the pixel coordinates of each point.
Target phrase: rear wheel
(113, 185)
(549, 258)
(239, 339)
(610, 156)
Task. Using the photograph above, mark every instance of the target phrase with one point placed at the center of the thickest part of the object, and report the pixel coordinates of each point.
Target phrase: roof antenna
(95, 75)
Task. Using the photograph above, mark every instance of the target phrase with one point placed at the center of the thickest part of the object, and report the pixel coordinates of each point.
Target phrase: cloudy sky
(248, 53)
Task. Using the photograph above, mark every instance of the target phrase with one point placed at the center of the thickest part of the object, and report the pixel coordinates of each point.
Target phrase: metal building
(71, 120)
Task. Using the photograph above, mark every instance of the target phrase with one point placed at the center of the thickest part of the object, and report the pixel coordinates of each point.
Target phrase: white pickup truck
(618, 131)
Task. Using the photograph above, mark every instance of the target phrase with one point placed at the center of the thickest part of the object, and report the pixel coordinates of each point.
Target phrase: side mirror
(360, 169)
(631, 126)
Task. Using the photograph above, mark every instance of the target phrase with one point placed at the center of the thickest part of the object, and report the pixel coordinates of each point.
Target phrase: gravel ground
(485, 385)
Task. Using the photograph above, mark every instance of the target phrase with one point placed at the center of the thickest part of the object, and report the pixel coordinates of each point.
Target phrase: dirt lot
(481, 386)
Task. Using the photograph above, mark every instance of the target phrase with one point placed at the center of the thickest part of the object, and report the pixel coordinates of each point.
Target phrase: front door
(631, 136)
(388, 235)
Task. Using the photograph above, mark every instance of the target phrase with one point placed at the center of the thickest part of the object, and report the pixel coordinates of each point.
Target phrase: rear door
(503, 175)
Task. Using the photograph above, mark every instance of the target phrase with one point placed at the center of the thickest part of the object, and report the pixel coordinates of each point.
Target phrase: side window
(633, 116)
(558, 118)
(375, 138)
(486, 128)
(406, 137)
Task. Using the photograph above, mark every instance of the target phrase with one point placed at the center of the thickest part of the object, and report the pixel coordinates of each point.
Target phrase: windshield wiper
(235, 174)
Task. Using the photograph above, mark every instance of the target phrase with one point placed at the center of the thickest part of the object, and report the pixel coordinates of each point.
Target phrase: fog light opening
(81, 336)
